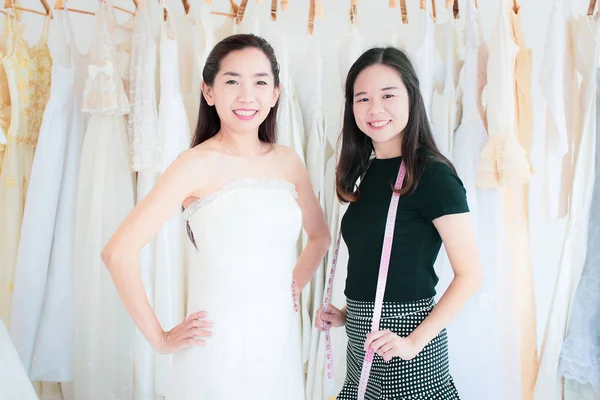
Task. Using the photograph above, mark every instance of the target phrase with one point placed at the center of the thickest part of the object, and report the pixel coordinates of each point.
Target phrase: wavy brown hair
(418, 144)
(209, 122)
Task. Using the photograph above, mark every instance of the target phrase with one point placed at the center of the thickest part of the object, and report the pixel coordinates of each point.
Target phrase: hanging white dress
(146, 154)
(42, 309)
(320, 388)
(104, 332)
(14, 382)
(4, 94)
(482, 336)
(173, 248)
(580, 354)
(444, 115)
(585, 34)
(310, 86)
(423, 56)
(557, 83)
(246, 234)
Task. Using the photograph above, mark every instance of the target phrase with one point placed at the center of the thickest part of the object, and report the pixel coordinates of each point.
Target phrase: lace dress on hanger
(28, 71)
(585, 36)
(580, 355)
(42, 316)
(503, 160)
(103, 358)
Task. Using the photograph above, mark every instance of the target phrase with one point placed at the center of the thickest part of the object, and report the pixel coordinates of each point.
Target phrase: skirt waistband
(390, 309)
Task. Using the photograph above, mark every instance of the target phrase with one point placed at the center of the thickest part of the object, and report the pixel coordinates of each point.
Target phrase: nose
(375, 107)
(246, 94)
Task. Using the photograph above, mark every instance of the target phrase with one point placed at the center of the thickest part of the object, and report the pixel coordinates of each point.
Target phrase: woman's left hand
(389, 345)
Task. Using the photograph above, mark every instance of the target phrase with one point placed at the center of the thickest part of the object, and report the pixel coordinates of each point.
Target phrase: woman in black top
(384, 114)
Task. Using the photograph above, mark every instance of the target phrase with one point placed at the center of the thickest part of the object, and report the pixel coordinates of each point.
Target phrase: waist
(390, 309)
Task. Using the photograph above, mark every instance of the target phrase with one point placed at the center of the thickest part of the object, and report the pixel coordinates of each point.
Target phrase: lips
(379, 124)
(245, 112)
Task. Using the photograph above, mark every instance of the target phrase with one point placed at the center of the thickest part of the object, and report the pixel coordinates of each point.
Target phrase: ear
(207, 92)
(276, 93)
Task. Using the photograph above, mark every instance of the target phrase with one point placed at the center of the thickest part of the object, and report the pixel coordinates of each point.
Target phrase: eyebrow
(260, 74)
(383, 90)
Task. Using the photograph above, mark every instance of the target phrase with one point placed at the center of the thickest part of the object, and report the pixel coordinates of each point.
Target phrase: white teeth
(244, 113)
(379, 124)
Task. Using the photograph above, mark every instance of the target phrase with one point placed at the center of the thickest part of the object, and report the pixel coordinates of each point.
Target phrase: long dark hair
(208, 119)
(209, 122)
(418, 144)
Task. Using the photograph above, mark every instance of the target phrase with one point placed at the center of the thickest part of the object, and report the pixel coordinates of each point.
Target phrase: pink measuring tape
(381, 282)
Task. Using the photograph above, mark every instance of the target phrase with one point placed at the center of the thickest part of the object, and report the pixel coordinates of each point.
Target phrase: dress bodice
(28, 71)
(248, 214)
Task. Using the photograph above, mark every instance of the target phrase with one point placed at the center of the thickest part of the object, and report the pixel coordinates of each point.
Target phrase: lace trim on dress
(242, 183)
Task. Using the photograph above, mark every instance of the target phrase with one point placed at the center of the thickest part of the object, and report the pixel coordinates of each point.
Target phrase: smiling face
(244, 91)
(380, 104)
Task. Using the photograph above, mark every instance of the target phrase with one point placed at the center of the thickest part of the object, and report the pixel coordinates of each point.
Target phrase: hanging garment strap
(381, 282)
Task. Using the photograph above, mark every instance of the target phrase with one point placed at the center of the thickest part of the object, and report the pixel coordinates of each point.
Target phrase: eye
(388, 96)
(231, 82)
(261, 83)
(362, 100)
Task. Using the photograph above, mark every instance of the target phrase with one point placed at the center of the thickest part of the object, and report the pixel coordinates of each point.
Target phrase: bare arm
(457, 234)
(121, 252)
(313, 222)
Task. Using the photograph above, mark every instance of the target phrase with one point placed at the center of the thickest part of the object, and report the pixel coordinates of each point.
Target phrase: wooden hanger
(58, 5)
(422, 5)
(353, 11)
(433, 13)
(239, 15)
(591, 8)
(403, 11)
(516, 6)
(393, 3)
(284, 5)
(453, 5)
(476, 5)
(311, 16)
(273, 10)
(186, 6)
(232, 14)
(11, 4)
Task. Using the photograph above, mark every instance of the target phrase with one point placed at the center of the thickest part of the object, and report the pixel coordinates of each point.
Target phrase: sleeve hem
(448, 211)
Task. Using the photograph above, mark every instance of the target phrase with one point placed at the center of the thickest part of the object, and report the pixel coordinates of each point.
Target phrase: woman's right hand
(331, 317)
(185, 334)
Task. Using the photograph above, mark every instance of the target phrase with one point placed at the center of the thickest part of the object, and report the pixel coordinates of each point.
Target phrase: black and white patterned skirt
(426, 376)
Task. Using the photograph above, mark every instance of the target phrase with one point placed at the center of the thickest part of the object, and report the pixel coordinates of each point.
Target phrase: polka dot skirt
(425, 377)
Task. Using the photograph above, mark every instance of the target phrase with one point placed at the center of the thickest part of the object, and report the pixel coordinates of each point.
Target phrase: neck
(245, 144)
(390, 149)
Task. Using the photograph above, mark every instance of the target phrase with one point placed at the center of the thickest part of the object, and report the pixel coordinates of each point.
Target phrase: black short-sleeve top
(416, 242)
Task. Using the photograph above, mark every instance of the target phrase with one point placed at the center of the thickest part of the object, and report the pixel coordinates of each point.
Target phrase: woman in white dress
(245, 200)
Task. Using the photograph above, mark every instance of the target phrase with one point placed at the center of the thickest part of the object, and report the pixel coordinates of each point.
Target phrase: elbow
(110, 256)
(107, 256)
(326, 240)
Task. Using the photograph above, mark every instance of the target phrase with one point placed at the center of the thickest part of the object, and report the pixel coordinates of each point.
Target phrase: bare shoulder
(291, 163)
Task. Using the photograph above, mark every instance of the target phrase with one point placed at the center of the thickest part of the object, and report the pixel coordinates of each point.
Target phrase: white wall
(376, 20)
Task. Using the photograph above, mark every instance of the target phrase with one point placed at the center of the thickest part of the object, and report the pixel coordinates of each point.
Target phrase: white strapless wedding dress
(246, 235)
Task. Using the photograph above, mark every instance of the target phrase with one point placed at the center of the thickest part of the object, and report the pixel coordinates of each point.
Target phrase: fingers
(196, 315)
(197, 332)
(372, 337)
(199, 323)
